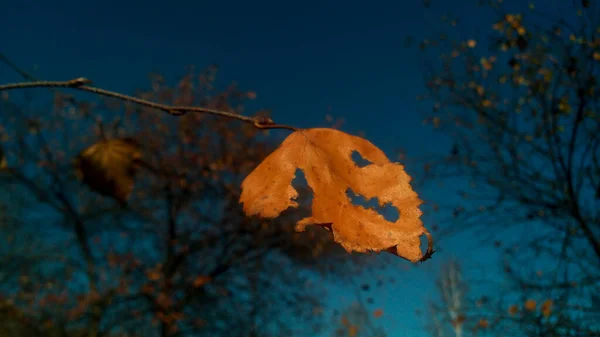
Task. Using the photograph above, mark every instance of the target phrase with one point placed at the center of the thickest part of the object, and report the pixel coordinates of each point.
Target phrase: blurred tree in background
(520, 101)
(179, 258)
(357, 320)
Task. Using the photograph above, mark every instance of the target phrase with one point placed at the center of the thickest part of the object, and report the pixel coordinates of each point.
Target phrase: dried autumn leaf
(324, 155)
(108, 167)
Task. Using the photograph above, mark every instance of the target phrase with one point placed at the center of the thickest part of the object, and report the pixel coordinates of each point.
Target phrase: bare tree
(452, 311)
(179, 257)
(519, 99)
(357, 320)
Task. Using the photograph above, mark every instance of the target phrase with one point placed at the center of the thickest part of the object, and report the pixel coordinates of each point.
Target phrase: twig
(81, 84)
(14, 67)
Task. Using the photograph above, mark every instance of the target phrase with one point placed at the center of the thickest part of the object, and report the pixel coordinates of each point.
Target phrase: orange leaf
(378, 313)
(154, 275)
(200, 281)
(546, 308)
(324, 155)
(530, 305)
(352, 331)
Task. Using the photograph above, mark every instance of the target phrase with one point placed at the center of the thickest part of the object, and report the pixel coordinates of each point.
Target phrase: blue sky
(300, 58)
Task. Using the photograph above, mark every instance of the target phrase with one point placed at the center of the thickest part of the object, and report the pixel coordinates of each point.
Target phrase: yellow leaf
(596, 56)
(109, 166)
(564, 106)
(471, 43)
(485, 63)
(325, 157)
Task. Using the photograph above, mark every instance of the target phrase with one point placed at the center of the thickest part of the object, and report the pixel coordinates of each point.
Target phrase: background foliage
(519, 100)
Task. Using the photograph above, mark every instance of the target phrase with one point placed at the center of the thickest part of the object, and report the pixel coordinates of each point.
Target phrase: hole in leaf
(359, 160)
(305, 194)
(304, 200)
(389, 212)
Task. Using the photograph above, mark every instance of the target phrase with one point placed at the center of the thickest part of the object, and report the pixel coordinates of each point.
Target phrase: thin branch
(81, 84)
(14, 67)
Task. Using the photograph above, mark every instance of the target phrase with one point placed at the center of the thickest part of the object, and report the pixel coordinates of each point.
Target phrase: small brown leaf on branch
(108, 167)
(325, 157)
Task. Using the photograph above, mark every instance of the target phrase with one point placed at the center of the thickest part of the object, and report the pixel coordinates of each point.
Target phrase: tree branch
(81, 84)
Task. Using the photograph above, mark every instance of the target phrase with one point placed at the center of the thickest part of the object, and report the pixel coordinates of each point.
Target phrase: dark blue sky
(300, 58)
